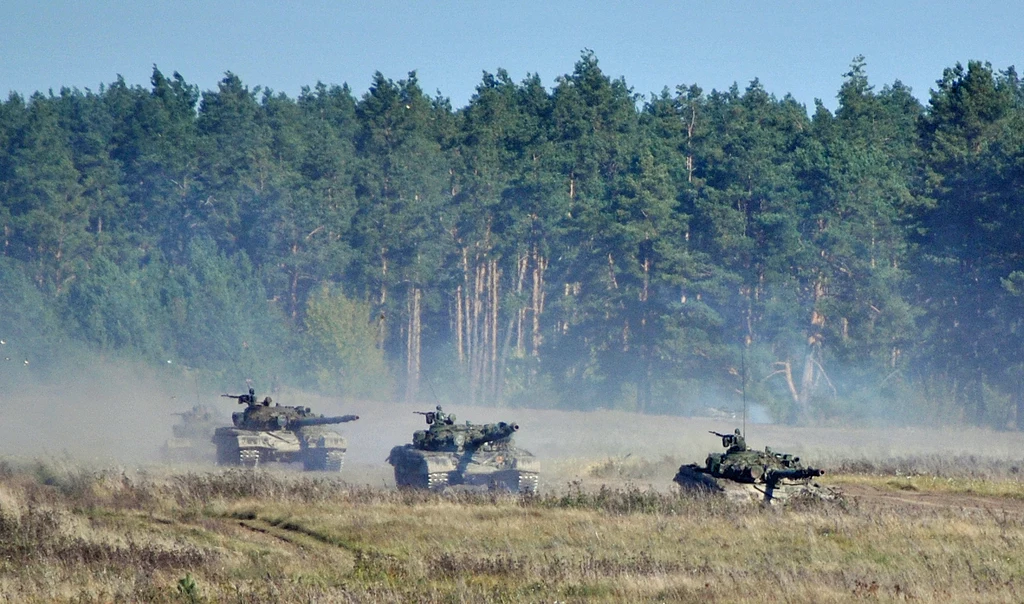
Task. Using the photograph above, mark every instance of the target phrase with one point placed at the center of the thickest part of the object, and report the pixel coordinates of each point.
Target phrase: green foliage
(188, 589)
(118, 310)
(536, 247)
(30, 327)
(340, 349)
(221, 316)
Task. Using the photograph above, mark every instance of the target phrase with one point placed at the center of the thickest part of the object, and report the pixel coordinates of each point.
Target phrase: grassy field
(87, 515)
(906, 531)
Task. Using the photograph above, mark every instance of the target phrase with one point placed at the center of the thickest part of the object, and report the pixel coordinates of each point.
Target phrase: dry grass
(78, 535)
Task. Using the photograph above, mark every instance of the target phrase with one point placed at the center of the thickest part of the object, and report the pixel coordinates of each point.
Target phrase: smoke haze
(122, 414)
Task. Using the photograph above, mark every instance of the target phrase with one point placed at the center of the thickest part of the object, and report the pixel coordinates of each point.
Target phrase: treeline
(580, 246)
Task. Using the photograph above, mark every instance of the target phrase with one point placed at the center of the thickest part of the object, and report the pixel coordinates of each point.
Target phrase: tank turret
(743, 473)
(474, 455)
(266, 431)
(453, 438)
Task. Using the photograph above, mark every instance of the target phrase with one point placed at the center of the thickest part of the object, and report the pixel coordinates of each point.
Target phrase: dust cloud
(98, 413)
(122, 413)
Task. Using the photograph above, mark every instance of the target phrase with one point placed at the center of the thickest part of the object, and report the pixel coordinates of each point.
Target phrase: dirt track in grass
(873, 497)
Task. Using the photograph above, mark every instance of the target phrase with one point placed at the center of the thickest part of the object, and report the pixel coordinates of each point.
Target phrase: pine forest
(575, 246)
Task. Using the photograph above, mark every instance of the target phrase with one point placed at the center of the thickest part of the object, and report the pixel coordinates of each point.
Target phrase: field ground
(928, 515)
(78, 535)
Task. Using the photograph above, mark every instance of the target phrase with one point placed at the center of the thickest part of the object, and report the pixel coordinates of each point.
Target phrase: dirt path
(871, 496)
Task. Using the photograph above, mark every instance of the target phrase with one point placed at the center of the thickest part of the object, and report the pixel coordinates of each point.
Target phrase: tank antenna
(430, 384)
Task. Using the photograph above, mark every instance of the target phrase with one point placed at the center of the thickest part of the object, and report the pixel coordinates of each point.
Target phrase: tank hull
(694, 478)
(317, 448)
(509, 469)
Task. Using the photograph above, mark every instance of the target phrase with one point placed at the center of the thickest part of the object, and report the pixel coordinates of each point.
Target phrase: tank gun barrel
(243, 399)
(773, 476)
(321, 421)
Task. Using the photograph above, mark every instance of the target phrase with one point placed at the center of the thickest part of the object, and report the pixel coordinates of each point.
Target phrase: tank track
(335, 461)
(409, 478)
(437, 481)
(402, 479)
(528, 483)
(323, 460)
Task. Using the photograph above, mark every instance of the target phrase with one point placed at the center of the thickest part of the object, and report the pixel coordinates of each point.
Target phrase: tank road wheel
(335, 460)
(323, 460)
(437, 481)
(248, 458)
(528, 483)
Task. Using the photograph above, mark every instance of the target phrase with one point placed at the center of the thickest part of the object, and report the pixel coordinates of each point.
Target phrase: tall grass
(73, 534)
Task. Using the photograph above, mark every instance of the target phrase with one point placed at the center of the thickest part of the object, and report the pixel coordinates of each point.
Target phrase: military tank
(470, 455)
(747, 474)
(266, 432)
(190, 439)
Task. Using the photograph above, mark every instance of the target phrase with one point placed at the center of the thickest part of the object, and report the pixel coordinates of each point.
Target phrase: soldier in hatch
(734, 443)
(443, 419)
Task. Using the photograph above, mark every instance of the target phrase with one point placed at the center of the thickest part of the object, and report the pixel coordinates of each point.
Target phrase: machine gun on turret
(244, 399)
(437, 417)
(428, 415)
(733, 442)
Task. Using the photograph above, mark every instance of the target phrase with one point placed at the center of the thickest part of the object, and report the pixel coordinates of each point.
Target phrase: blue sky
(800, 47)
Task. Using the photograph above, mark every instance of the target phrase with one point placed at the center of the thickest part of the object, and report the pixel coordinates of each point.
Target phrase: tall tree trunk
(689, 142)
(459, 332)
(293, 287)
(537, 307)
(413, 348)
(475, 344)
(462, 311)
(383, 300)
(521, 266)
(806, 385)
(647, 354)
(494, 303)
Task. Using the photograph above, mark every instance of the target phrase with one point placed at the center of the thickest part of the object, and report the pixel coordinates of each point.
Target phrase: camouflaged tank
(474, 455)
(747, 474)
(266, 432)
(191, 436)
